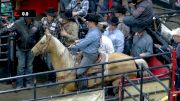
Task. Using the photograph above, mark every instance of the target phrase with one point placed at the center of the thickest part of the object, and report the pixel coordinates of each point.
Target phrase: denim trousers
(25, 66)
(64, 4)
(52, 76)
(133, 22)
(93, 5)
(87, 59)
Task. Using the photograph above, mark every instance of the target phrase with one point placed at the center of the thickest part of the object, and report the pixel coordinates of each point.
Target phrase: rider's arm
(137, 12)
(90, 37)
(84, 9)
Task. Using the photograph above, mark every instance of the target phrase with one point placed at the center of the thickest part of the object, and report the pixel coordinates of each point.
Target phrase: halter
(48, 41)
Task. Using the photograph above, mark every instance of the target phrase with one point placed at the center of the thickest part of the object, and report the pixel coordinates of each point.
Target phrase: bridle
(41, 50)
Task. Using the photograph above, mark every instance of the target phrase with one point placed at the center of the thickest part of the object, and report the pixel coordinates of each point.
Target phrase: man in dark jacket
(141, 13)
(27, 34)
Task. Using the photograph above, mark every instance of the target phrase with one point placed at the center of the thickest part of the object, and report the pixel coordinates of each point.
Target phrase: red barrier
(173, 76)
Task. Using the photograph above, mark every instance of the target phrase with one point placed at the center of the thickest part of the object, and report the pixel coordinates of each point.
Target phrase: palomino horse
(62, 59)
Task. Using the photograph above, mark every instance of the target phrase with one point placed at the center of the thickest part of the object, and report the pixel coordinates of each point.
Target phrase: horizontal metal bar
(2, 60)
(149, 93)
(62, 95)
(6, 52)
(166, 88)
(113, 99)
(144, 94)
(48, 72)
(129, 94)
(2, 45)
(6, 36)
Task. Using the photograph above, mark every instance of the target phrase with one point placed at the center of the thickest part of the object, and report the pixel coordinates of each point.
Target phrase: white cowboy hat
(176, 32)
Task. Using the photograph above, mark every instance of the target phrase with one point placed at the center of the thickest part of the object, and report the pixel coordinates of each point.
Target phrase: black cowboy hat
(93, 17)
(51, 11)
(138, 28)
(67, 15)
(113, 21)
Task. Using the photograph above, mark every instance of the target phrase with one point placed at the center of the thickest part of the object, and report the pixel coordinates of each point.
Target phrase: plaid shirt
(81, 8)
(54, 26)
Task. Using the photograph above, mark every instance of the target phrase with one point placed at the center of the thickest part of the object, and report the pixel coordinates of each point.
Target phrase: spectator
(52, 23)
(28, 33)
(142, 43)
(115, 35)
(69, 29)
(106, 46)
(142, 13)
(63, 4)
(93, 6)
(120, 12)
(89, 47)
(78, 7)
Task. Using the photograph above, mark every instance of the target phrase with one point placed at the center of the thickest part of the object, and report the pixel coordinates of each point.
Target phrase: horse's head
(43, 45)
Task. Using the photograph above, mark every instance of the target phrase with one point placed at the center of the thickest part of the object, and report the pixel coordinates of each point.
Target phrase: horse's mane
(59, 46)
(62, 51)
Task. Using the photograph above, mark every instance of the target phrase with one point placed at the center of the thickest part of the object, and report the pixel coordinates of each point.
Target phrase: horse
(62, 59)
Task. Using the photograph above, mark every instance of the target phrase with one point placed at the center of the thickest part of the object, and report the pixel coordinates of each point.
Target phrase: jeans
(25, 60)
(130, 21)
(93, 6)
(86, 60)
(52, 76)
(64, 4)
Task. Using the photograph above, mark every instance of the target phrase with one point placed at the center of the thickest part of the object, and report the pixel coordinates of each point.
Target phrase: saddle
(93, 70)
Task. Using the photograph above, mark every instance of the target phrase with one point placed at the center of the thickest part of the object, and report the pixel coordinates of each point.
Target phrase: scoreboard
(24, 13)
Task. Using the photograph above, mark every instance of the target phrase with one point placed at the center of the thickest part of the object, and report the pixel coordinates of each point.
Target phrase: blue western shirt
(91, 43)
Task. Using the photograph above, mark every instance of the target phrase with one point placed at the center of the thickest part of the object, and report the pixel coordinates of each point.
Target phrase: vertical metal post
(34, 81)
(121, 90)
(172, 98)
(9, 55)
(141, 85)
(102, 76)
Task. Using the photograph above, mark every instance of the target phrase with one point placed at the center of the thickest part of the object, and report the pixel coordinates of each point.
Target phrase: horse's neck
(63, 60)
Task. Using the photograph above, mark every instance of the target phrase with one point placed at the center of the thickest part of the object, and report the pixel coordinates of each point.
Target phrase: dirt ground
(47, 91)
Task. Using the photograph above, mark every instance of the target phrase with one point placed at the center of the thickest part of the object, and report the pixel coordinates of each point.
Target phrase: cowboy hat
(51, 12)
(113, 21)
(176, 32)
(138, 28)
(67, 15)
(93, 17)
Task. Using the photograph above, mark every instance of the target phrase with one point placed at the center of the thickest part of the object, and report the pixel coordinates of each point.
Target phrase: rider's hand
(77, 41)
(63, 32)
(74, 13)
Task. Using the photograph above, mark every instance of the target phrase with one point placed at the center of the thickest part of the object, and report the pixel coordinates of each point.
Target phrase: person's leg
(20, 68)
(93, 6)
(29, 68)
(86, 60)
(52, 76)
